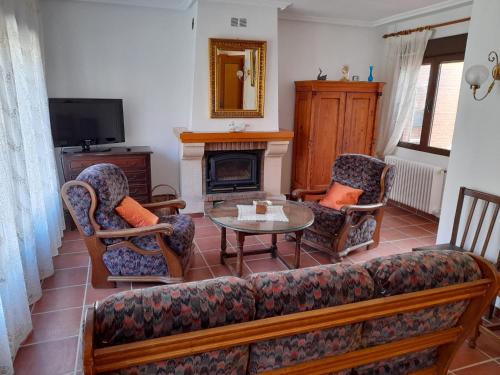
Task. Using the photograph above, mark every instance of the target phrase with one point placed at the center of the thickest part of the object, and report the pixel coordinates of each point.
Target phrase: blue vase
(370, 77)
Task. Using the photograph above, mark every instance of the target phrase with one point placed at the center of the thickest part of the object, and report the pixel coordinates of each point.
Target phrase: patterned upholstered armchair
(118, 252)
(354, 226)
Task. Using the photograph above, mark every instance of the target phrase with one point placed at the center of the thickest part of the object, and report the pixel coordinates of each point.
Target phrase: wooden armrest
(175, 203)
(348, 209)
(300, 193)
(132, 232)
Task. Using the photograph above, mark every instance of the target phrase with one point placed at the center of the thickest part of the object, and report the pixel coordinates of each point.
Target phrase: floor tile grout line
(84, 251)
(76, 239)
(64, 287)
(68, 268)
(48, 341)
(82, 321)
(474, 364)
(483, 352)
(53, 311)
(73, 252)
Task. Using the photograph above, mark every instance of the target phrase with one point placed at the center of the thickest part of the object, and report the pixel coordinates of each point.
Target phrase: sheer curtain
(404, 58)
(30, 208)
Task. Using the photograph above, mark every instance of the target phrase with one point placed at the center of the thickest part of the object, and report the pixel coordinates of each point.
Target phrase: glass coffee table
(225, 215)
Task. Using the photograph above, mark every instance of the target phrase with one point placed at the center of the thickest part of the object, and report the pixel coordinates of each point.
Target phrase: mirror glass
(237, 78)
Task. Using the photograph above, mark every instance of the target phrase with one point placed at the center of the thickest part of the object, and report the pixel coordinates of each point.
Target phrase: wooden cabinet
(134, 161)
(331, 118)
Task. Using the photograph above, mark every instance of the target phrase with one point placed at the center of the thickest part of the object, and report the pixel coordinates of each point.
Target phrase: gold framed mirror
(237, 78)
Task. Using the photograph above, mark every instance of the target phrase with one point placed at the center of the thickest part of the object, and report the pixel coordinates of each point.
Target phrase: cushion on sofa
(168, 310)
(288, 292)
(420, 270)
(412, 272)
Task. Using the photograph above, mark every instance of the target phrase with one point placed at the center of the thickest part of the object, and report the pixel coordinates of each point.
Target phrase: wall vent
(238, 22)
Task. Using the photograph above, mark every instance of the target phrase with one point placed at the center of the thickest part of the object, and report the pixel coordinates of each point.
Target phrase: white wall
(142, 55)
(306, 46)
(213, 21)
(461, 28)
(475, 156)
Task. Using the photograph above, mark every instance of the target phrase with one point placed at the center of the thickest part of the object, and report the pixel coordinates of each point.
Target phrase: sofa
(402, 314)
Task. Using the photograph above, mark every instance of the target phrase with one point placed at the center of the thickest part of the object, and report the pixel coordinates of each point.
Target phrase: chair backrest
(306, 289)
(142, 314)
(481, 224)
(367, 173)
(106, 185)
(415, 272)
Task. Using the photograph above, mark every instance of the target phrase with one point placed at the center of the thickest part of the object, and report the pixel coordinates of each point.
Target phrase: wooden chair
(470, 239)
(158, 253)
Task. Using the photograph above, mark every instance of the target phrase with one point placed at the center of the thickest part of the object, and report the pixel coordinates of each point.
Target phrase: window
(431, 126)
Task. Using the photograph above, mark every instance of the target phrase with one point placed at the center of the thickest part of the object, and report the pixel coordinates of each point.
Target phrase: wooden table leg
(240, 238)
(274, 246)
(223, 244)
(298, 238)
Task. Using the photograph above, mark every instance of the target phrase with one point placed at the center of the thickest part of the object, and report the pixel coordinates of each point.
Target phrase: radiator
(417, 185)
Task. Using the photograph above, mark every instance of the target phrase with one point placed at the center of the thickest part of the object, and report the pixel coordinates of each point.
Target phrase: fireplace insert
(232, 171)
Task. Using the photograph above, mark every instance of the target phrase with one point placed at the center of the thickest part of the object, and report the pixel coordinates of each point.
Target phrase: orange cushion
(340, 195)
(136, 215)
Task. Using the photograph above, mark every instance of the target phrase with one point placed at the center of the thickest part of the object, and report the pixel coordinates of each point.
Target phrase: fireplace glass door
(229, 171)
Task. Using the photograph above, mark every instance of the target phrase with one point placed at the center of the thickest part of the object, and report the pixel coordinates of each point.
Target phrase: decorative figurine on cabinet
(345, 73)
(320, 76)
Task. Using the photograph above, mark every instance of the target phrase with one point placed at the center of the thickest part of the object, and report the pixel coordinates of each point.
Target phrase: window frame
(434, 59)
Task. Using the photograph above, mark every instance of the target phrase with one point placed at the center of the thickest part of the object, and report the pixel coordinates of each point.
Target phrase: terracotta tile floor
(54, 347)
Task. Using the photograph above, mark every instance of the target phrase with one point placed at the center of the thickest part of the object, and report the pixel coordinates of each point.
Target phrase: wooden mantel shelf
(192, 137)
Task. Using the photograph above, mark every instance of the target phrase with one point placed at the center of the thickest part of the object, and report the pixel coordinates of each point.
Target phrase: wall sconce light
(476, 75)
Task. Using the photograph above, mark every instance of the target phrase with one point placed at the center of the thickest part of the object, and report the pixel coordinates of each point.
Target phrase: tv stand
(134, 161)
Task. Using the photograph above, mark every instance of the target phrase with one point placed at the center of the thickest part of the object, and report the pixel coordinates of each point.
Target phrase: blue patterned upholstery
(363, 172)
(126, 262)
(360, 172)
(111, 186)
(402, 365)
(287, 292)
(412, 272)
(168, 310)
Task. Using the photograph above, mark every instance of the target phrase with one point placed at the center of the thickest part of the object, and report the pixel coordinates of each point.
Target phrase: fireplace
(232, 171)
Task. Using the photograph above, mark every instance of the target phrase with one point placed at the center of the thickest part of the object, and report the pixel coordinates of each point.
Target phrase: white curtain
(404, 58)
(30, 207)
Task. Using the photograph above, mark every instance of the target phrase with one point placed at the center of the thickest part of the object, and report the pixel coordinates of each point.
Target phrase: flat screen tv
(86, 122)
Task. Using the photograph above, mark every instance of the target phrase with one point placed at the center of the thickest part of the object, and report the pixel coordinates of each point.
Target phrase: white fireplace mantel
(192, 151)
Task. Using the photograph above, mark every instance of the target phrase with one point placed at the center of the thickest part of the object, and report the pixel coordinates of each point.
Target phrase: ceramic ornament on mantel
(237, 128)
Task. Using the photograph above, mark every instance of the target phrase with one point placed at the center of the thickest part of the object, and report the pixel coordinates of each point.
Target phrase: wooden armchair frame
(352, 221)
(112, 358)
(101, 277)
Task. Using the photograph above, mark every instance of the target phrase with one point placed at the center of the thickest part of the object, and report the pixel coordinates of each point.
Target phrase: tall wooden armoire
(331, 118)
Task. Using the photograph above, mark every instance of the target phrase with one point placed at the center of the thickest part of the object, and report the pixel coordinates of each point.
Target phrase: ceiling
(344, 12)
(364, 12)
